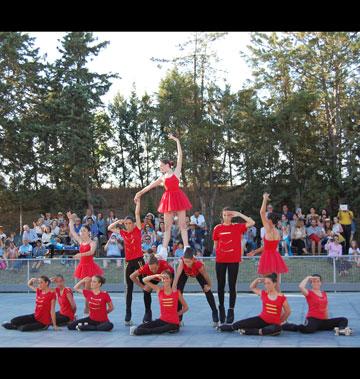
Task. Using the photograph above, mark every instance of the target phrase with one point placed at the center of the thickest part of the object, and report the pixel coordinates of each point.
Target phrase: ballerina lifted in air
(174, 200)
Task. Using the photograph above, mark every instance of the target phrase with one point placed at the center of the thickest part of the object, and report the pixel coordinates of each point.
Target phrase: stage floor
(197, 331)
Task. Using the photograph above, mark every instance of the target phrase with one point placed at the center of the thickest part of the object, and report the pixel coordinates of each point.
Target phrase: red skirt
(87, 269)
(271, 261)
(172, 201)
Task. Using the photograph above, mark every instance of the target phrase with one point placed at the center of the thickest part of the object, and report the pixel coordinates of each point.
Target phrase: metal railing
(339, 274)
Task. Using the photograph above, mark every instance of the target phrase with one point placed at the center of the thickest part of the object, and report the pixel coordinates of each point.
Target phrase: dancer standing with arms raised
(271, 260)
(173, 200)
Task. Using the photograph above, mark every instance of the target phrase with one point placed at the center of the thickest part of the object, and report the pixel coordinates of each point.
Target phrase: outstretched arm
(137, 213)
(177, 170)
(73, 234)
(263, 212)
(249, 221)
(154, 184)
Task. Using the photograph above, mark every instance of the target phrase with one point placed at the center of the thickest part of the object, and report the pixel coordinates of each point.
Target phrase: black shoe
(222, 314)
(225, 328)
(128, 318)
(9, 325)
(215, 317)
(147, 316)
(230, 316)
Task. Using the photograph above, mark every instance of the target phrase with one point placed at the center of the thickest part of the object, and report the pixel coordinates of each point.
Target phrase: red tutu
(87, 266)
(173, 199)
(271, 260)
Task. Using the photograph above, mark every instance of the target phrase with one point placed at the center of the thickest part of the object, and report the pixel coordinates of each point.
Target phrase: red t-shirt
(317, 305)
(132, 243)
(271, 311)
(229, 242)
(168, 307)
(163, 265)
(194, 269)
(97, 305)
(65, 306)
(43, 306)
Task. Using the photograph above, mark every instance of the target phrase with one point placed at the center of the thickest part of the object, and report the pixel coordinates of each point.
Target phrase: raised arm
(264, 219)
(78, 285)
(73, 234)
(137, 213)
(302, 285)
(253, 286)
(147, 280)
(112, 227)
(249, 221)
(178, 167)
(31, 284)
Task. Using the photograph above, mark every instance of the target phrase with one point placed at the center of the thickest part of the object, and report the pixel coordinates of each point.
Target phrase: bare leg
(313, 246)
(168, 219)
(182, 226)
(87, 286)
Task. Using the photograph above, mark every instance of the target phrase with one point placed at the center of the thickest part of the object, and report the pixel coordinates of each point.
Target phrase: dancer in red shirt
(271, 260)
(317, 317)
(44, 310)
(154, 266)
(100, 305)
(168, 299)
(133, 253)
(174, 200)
(189, 266)
(227, 243)
(87, 266)
(66, 301)
(275, 311)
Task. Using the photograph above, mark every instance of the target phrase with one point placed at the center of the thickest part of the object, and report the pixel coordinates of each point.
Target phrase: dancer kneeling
(168, 299)
(317, 317)
(66, 301)
(270, 319)
(44, 310)
(100, 305)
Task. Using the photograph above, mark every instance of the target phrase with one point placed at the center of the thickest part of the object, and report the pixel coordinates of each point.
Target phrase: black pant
(155, 327)
(299, 245)
(131, 266)
(233, 269)
(209, 295)
(312, 324)
(61, 320)
(92, 325)
(27, 323)
(147, 295)
(346, 234)
(253, 325)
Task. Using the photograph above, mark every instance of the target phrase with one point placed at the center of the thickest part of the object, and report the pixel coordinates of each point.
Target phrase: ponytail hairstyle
(45, 279)
(87, 227)
(153, 260)
(131, 218)
(273, 217)
(273, 277)
(167, 161)
(100, 279)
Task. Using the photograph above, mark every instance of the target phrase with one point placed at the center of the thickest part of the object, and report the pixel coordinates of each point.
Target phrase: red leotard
(194, 269)
(168, 307)
(228, 249)
(43, 306)
(132, 243)
(271, 311)
(163, 265)
(317, 305)
(271, 260)
(87, 266)
(97, 305)
(65, 306)
(173, 199)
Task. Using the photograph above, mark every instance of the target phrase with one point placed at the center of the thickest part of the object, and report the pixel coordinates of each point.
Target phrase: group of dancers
(158, 275)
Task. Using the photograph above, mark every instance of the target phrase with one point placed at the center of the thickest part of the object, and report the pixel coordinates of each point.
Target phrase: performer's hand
(173, 137)
(77, 256)
(251, 253)
(266, 196)
(70, 216)
(207, 288)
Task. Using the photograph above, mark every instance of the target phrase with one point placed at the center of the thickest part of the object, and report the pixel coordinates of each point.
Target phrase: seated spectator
(149, 231)
(93, 228)
(47, 219)
(88, 214)
(11, 253)
(333, 247)
(161, 230)
(109, 220)
(328, 231)
(158, 220)
(250, 237)
(64, 234)
(285, 234)
(315, 234)
(147, 243)
(298, 236)
(55, 230)
(175, 230)
(38, 253)
(2, 234)
(338, 230)
(195, 236)
(324, 214)
(78, 226)
(16, 238)
(46, 237)
(286, 212)
(179, 252)
(149, 254)
(113, 249)
(29, 235)
(38, 227)
(311, 215)
(293, 222)
(269, 209)
(148, 223)
(101, 224)
(3, 264)
(198, 219)
(25, 251)
(354, 252)
(60, 218)
(300, 215)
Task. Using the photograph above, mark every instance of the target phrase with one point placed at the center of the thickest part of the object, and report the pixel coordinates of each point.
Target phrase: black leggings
(155, 327)
(92, 325)
(147, 295)
(299, 244)
(311, 325)
(27, 323)
(61, 320)
(346, 234)
(209, 295)
(131, 266)
(233, 269)
(253, 325)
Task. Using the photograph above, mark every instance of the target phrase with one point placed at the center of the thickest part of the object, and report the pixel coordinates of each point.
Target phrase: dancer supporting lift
(133, 253)
(44, 310)
(317, 317)
(190, 266)
(174, 200)
(227, 243)
(274, 312)
(154, 266)
(100, 305)
(168, 299)
(66, 301)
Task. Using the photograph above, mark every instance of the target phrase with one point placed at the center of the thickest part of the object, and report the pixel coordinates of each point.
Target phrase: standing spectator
(198, 219)
(2, 252)
(16, 238)
(324, 214)
(88, 214)
(286, 212)
(77, 226)
(353, 230)
(345, 218)
(161, 231)
(298, 235)
(354, 250)
(269, 209)
(93, 228)
(29, 235)
(101, 224)
(311, 215)
(11, 252)
(109, 220)
(158, 220)
(315, 234)
(113, 249)
(38, 253)
(195, 236)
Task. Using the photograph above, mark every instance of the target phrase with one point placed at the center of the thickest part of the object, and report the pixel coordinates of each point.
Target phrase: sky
(129, 54)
